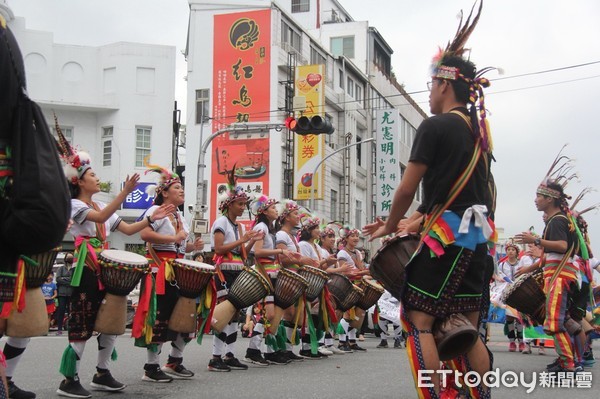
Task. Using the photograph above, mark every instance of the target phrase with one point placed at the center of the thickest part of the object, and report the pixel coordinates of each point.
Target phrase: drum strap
(100, 227)
(264, 273)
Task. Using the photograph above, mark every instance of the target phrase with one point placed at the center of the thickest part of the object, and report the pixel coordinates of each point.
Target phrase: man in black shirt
(447, 276)
(560, 273)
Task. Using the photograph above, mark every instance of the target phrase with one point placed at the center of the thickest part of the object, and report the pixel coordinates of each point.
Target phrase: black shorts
(452, 283)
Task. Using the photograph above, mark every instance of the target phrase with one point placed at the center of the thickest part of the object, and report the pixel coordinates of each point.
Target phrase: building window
(202, 104)
(358, 215)
(290, 37)
(334, 205)
(300, 5)
(66, 131)
(316, 57)
(343, 46)
(341, 75)
(350, 87)
(359, 150)
(107, 135)
(142, 144)
(358, 93)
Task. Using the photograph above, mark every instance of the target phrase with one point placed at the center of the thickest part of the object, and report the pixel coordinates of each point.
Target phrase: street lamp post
(200, 225)
(312, 192)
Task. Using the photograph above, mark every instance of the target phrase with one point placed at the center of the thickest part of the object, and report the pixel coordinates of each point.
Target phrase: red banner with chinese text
(241, 93)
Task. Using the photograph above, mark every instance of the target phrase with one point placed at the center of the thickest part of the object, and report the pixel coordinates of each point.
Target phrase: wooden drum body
(121, 271)
(372, 293)
(248, 288)
(526, 295)
(33, 320)
(191, 278)
(316, 279)
(345, 294)
(388, 266)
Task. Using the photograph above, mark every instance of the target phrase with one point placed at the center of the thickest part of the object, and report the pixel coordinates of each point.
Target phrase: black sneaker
(397, 343)
(14, 392)
(235, 364)
(344, 347)
(307, 354)
(277, 358)
(293, 357)
(71, 388)
(357, 348)
(177, 370)
(558, 368)
(153, 373)
(383, 344)
(217, 364)
(105, 382)
(553, 364)
(255, 357)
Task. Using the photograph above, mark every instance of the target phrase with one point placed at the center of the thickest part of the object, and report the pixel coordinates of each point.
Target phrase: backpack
(36, 207)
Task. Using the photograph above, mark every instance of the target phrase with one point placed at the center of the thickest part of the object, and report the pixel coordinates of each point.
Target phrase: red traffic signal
(313, 125)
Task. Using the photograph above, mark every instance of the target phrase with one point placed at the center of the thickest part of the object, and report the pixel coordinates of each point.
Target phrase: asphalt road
(378, 373)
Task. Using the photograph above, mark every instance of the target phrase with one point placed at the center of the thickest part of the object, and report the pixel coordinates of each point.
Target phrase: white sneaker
(333, 349)
(325, 351)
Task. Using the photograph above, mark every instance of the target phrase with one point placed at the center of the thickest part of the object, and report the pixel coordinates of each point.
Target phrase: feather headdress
(167, 178)
(76, 163)
(285, 207)
(440, 69)
(261, 204)
(308, 221)
(559, 173)
(331, 228)
(231, 193)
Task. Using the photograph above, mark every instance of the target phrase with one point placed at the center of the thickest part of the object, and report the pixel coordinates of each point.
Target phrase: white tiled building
(113, 101)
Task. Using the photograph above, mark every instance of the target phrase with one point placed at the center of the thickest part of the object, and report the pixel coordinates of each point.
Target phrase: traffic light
(314, 125)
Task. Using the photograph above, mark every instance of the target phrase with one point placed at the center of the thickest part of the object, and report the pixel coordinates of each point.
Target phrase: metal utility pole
(312, 192)
(200, 224)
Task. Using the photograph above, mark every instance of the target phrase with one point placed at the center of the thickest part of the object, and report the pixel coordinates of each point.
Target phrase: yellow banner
(309, 150)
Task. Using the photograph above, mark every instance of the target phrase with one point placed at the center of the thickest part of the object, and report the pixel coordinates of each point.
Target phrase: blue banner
(138, 198)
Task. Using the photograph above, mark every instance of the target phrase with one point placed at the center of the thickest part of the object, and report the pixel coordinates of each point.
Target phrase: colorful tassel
(68, 363)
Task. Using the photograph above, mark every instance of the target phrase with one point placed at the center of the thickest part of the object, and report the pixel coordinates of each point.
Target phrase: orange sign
(241, 93)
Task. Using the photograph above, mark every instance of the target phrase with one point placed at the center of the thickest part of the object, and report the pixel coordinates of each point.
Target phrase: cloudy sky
(531, 116)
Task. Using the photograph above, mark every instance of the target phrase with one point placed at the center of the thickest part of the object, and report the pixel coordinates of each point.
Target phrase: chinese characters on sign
(388, 168)
(241, 93)
(309, 150)
(139, 199)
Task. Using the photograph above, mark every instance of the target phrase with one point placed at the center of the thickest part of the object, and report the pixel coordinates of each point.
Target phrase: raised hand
(198, 243)
(131, 183)
(376, 229)
(162, 211)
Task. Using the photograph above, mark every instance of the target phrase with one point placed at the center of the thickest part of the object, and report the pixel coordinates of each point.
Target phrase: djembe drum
(289, 287)
(371, 293)
(526, 294)
(345, 294)
(120, 272)
(388, 266)
(248, 288)
(454, 336)
(191, 278)
(33, 320)
(316, 279)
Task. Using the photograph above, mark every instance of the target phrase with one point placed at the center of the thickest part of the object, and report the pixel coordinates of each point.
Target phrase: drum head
(371, 283)
(194, 264)
(124, 257)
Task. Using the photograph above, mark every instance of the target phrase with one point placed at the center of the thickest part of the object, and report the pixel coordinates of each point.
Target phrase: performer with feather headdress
(92, 223)
(166, 240)
(267, 261)
(229, 242)
(561, 241)
(451, 155)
